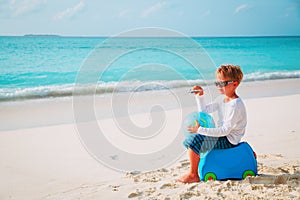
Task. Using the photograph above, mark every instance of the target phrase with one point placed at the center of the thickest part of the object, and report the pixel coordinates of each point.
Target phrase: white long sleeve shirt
(232, 118)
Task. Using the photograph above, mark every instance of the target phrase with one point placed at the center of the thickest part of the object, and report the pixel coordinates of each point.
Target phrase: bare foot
(189, 178)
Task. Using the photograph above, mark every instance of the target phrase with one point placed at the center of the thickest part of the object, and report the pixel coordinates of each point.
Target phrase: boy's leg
(195, 143)
(193, 175)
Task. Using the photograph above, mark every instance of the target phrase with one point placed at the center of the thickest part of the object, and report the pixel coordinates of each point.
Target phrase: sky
(190, 17)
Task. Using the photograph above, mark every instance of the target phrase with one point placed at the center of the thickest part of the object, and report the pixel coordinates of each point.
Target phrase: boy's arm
(200, 103)
(234, 119)
(199, 96)
(202, 107)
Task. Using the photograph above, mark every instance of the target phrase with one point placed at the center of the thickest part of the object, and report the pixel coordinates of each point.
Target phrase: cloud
(153, 9)
(241, 8)
(21, 7)
(69, 12)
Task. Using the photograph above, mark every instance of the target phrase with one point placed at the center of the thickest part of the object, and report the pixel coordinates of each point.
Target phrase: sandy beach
(42, 155)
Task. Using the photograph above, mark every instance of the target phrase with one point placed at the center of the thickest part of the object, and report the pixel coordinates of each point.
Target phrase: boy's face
(225, 85)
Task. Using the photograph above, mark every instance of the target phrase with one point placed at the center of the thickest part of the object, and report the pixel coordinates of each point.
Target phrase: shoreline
(56, 111)
(66, 91)
(43, 157)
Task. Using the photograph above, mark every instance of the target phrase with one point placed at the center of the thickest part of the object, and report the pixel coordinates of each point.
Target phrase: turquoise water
(39, 67)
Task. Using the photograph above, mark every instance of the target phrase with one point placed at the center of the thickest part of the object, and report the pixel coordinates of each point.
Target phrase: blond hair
(232, 72)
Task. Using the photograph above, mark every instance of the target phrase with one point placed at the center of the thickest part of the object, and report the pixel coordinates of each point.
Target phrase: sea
(37, 66)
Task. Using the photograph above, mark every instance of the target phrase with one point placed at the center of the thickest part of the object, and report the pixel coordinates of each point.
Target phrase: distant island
(40, 35)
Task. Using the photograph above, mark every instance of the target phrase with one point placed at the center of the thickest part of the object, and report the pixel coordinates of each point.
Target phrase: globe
(205, 120)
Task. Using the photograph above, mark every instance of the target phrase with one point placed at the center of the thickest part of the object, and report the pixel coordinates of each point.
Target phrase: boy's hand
(198, 89)
(194, 129)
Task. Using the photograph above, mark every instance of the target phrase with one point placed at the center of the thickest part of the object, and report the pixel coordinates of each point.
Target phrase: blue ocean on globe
(205, 120)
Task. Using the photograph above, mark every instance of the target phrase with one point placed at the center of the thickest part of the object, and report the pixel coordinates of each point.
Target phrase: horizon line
(106, 36)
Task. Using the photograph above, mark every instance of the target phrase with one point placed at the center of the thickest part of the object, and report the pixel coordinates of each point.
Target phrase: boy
(231, 125)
